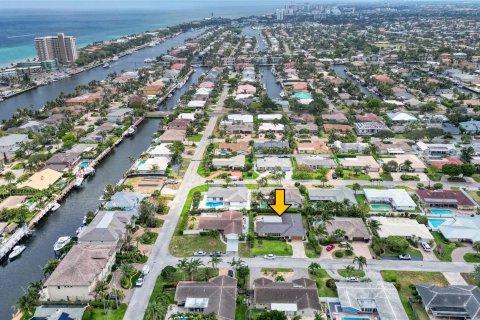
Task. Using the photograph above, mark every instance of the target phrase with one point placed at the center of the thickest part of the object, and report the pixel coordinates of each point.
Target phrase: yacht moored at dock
(17, 250)
(61, 243)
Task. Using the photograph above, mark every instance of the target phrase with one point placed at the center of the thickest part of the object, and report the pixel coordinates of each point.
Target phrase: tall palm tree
(214, 261)
(374, 226)
(183, 265)
(100, 289)
(193, 266)
(361, 260)
(349, 270)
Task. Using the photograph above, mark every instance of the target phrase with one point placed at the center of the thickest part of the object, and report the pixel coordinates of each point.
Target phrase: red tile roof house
(440, 163)
(445, 199)
(179, 124)
(207, 84)
(334, 117)
(246, 89)
(336, 127)
(83, 99)
(177, 66)
(368, 117)
(229, 222)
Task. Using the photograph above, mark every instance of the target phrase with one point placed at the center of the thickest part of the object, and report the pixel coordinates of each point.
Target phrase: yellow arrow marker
(280, 206)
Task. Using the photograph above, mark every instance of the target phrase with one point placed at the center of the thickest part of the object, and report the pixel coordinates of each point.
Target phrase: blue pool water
(141, 162)
(211, 204)
(84, 164)
(381, 206)
(441, 211)
(355, 319)
(435, 223)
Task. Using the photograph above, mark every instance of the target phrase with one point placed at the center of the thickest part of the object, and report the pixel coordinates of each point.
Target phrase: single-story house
(327, 127)
(334, 117)
(375, 300)
(79, 272)
(196, 104)
(107, 228)
(63, 161)
(288, 226)
(369, 128)
(271, 144)
(179, 124)
(234, 163)
(293, 197)
(30, 126)
(118, 115)
(368, 117)
(437, 150)
(46, 312)
(128, 201)
(170, 136)
(309, 128)
(332, 195)
(392, 148)
(399, 199)
(41, 180)
(244, 128)
(401, 117)
(269, 117)
(345, 147)
(228, 222)
(452, 302)
(218, 296)
(299, 297)
(272, 163)
(461, 228)
(240, 118)
(416, 165)
(360, 162)
(233, 198)
(161, 150)
(312, 147)
(268, 126)
(12, 142)
(404, 227)
(12, 202)
(316, 161)
(158, 165)
(445, 199)
(240, 147)
(355, 229)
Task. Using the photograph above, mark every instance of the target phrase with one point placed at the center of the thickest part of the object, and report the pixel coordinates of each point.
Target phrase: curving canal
(15, 275)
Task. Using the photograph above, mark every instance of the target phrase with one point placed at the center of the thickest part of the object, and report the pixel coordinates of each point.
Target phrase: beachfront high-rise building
(60, 47)
(280, 13)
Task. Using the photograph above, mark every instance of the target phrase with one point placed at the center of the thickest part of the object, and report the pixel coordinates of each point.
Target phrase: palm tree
(349, 270)
(127, 270)
(313, 267)
(155, 168)
(9, 176)
(50, 266)
(214, 261)
(183, 265)
(356, 187)
(407, 165)
(361, 260)
(374, 226)
(228, 180)
(476, 246)
(100, 289)
(340, 234)
(193, 266)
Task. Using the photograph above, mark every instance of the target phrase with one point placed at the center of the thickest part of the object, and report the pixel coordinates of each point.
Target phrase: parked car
(199, 254)
(171, 181)
(145, 270)
(270, 256)
(139, 282)
(230, 273)
(330, 247)
(426, 246)
(215, 254)
(334, 175)
(353, 279)
(405, 257)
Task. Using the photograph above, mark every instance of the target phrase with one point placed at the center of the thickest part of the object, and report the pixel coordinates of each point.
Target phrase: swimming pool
(355, 319)
(435, 223)
(211, 204)
(381, 206)
(84, 164)
(441, 211)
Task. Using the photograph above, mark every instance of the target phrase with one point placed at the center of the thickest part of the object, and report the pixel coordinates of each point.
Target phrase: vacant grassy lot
(185, 246)
(404, 279)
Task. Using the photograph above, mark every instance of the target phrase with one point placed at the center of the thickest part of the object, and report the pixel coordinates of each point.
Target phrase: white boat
(148, 60)
(84, 221)
(152, 44)
(88, 171)
(55, 207)
(170, 95)
(78, 182)
(131, 131)
(17, 250)
(106, 65)
(115, 58)
(61, 243)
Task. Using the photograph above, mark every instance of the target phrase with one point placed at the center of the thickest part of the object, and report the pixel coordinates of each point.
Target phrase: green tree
(467, 154)
(9, 176)
(356, 187)
(361, 261)
(272, 315)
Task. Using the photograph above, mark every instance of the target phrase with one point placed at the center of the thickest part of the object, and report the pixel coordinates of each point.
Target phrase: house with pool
(236, 198)
(403, 227)
(460, 228)
(386, 200)
(441, 201)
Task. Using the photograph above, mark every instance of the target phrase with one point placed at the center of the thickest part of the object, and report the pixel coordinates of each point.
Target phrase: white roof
(189, 116)
(403, 227)
(272, 116)
(398, 197)
(271, 127)
(401, 116)
(285, 307)
(245, 118)
(203, 91)
(461, 228)
(161, 162)
(161, 150)
(196, 104)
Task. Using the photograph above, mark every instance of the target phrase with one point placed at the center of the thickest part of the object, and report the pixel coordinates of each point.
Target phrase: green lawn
(361, 199)
(476, 177)
(241, 311)
(100, 314)
(321, 278)
(475, 196)
(433, 174)
(354, 273)
(186, 245)
(262, 247)
(309, 251)
(469, 279)
(251, 174)
(411, 251)
(350, 175)
(446, 256)
(188, 203)
(472, 257)
(272, 270)
(386, 176)
(406, 278)
(195, 138)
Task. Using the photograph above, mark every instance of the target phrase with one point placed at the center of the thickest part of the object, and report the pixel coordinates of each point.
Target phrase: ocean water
(19, 27)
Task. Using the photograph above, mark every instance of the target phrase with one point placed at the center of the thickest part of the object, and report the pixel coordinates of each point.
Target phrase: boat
(115, 58)
(61, 243)
(131, 131)
(78, 182)
(106, 65)
(80, 229)
(148, 60)
(17, 250)
(170, 95)
(84, 221)
(152, 44)
(88, 171)
(55, 207)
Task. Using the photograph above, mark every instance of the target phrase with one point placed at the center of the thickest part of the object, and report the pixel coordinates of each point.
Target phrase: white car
(269, 256)
(405, 257)
(145, 270)
(426, 246)
(139, 282)
(353, 279)
(199, 254)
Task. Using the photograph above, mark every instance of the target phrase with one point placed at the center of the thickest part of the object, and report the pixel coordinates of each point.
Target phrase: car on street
(353, 279)
(145, 270)
(139, 282)
(199, 254)
(330, 247)
(269, 256)
(215, 254)
(405, 257)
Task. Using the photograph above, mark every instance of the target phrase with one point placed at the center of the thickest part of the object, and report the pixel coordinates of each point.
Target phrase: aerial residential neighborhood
(321, 161)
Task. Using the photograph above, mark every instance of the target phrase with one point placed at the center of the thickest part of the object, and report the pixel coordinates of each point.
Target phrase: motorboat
(106, 65)
(88, 171)
(115, 58)
(61, 243)
(148, 60)
(55, 207)
(131, 131)
(152, 44)
(78, 182)
(17, 250)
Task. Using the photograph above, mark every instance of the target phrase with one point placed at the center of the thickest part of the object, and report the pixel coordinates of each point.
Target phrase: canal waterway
(16, 275)
(36, 98)
(340, 72)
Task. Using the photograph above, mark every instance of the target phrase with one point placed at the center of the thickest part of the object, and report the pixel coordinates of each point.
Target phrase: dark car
(215, 254)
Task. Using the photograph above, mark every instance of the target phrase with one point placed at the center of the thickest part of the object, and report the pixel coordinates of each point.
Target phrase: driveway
(361, 248)
(457, 254)
(455, 278)
(298, 249)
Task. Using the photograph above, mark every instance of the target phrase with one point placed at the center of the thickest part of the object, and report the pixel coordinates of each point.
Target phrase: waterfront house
(161, 150)
(128, 201)
(331, 195)
(30, 126)
(461, 228)
(288, 226)
(179, 124)
(84, 100)
(56, 312)
(445, 199)
(55, 120)
(155, 165)
(79, 272)
(12, 142)
(218, 296)
(398, 199)
(369, 300)
(12, 202)
(452, 302)
(41, 180)
(107, 228)
(118, 115)
(272, 163)
(170, 136)
(63, 161)
(296, 298)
